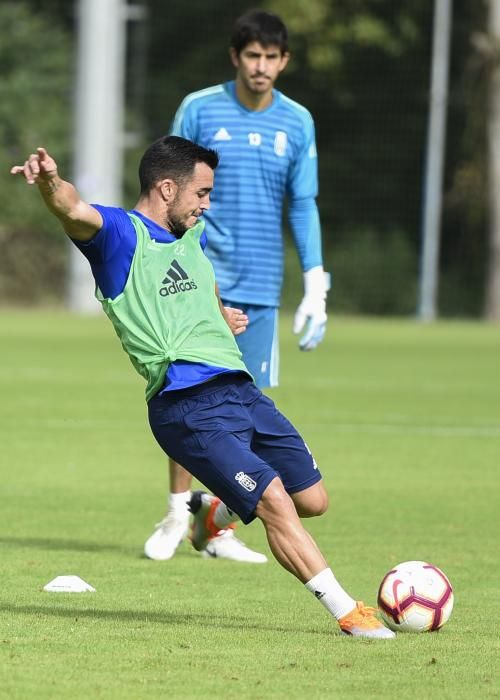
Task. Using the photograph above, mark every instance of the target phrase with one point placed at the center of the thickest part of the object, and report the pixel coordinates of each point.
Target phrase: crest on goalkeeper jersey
(280, 143)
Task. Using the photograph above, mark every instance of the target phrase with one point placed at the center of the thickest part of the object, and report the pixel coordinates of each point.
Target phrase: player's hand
(236, 320)
(38, 167)
(310, 317)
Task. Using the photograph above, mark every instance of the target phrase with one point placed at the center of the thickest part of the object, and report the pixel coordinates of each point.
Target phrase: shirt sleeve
(111, 250)
(203, 241)
(303, 175)
(304, 221)
(185, 121)
(302, 190)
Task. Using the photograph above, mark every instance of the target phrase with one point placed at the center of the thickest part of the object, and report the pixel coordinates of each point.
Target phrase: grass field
(404, 421)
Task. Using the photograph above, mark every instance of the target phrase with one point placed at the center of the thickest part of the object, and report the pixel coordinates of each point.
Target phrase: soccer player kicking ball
(267, 148)
(161, 298)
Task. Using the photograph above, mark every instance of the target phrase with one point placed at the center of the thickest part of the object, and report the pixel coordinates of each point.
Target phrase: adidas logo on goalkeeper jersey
(222, 135)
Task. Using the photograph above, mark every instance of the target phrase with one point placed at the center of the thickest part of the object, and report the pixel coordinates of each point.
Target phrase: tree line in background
(362, 67)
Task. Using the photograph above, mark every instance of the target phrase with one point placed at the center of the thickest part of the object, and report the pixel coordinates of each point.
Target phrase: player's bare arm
(80, 221)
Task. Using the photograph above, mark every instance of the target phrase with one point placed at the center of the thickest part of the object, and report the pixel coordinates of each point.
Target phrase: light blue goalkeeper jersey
(265, 156)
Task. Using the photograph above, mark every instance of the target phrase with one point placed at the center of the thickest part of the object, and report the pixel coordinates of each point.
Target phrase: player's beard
(177, 224)
(177, 227)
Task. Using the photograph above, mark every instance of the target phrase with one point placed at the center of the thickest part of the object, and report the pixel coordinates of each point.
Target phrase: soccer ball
(415, 597)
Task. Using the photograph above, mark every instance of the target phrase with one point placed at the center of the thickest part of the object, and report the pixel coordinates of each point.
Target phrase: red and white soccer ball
(415, 597)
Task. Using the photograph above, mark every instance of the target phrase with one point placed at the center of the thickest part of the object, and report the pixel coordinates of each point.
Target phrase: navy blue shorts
(233, 439)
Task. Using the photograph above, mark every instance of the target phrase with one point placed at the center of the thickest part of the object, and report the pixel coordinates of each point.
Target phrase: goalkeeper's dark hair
(172, 157)
(257, 25)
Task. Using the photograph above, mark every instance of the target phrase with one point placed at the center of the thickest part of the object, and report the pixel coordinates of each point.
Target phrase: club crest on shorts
(246, 481)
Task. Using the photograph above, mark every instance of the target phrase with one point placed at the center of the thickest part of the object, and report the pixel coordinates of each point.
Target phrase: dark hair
(172, 157)
(257, 25)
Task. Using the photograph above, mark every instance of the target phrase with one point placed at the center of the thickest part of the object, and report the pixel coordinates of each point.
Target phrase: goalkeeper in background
(266, 144)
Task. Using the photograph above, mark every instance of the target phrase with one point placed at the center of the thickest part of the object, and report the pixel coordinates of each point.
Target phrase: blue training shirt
(265, 156)
(110, 254)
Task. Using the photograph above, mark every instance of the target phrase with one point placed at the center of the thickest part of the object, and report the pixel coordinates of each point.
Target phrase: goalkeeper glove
(311, 313)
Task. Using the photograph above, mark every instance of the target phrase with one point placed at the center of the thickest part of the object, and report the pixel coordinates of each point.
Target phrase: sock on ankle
(178, 503)
(330, 593)
(223, 516)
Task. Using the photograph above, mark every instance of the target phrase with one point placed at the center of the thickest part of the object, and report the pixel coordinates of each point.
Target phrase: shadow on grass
(62, 544)
(208, 620)
(56, 544)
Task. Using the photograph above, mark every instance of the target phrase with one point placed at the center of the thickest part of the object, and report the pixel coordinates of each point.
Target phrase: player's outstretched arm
(80, 221)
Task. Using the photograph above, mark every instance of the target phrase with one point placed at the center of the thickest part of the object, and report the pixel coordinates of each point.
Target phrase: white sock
(330, 593)
(178, 504)
(223, 516)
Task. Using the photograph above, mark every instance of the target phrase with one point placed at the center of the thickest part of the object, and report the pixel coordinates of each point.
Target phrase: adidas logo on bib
(176, 280)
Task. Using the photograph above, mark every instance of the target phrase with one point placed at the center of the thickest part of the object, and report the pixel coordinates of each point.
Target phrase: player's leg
(299, 492)
(222, 544)
(260, 350)
(311, 501)
(278, 513)
(280, 445)
(249, 484)
(173, 528)
(213, 434)
(296, 551)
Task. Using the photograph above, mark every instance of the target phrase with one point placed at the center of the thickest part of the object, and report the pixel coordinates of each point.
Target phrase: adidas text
(176, 287)
(176, 280)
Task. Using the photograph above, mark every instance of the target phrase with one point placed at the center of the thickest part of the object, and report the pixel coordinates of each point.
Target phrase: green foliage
(409, 457)
(35, 104)
(35, 110)
(374, 273)
(329, 29)
(188, 50)
(362, 67)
